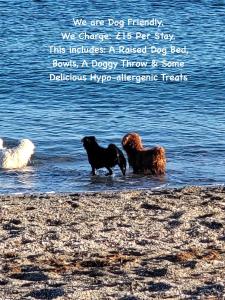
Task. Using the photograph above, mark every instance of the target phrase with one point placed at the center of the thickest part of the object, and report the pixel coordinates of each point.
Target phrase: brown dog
(143, 160)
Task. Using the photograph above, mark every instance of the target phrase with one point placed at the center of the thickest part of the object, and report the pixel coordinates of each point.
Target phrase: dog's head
(88, 141)
(1, 143)
(132, 141)
(26, 146)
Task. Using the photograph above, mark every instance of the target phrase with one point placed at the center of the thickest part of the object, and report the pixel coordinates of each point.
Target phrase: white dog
(17, 157)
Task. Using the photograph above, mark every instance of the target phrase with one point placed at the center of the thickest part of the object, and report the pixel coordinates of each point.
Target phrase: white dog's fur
(1, 144)
(17, 157)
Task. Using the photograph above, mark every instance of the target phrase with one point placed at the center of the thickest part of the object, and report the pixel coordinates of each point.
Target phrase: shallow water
(186, 118)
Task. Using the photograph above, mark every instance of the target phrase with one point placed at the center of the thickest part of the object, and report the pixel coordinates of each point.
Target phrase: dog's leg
(92, 171)
(110, 171)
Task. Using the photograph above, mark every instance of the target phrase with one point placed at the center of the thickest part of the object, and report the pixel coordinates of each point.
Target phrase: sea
(186, 117)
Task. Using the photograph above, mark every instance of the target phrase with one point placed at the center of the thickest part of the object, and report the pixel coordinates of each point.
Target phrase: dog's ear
(92, 139)
(127, 141)
(85, 140)
(124, 140)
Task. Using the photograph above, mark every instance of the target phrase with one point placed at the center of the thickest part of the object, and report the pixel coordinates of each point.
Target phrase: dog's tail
(159, 160)
(122, 161)
(120, 158)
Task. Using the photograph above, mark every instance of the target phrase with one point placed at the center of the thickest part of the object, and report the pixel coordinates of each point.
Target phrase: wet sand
(116, 245)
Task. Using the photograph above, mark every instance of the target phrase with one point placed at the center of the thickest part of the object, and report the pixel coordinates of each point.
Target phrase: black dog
(100, 157)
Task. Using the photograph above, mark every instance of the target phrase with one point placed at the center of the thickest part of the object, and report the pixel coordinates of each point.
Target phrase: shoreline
(116, 191)
(132, 244)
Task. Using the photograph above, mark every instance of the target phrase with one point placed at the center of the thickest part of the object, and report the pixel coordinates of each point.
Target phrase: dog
(17, 157)
(100, 157)
(143, 160)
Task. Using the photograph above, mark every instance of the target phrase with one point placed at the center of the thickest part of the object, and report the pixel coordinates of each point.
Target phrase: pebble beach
(130, 245)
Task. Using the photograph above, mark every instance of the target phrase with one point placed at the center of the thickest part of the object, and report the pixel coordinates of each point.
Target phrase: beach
(141, 244)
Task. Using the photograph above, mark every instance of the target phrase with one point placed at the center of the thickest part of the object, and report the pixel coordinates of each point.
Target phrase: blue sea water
(187, 118)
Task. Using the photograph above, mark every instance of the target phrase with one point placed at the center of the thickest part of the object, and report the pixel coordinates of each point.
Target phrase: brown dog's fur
(142, 160)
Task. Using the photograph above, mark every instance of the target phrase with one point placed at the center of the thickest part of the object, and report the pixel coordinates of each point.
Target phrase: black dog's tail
(122, 161)
(120, 158)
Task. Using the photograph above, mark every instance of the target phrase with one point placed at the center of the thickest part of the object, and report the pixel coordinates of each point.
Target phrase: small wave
(39, 160)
